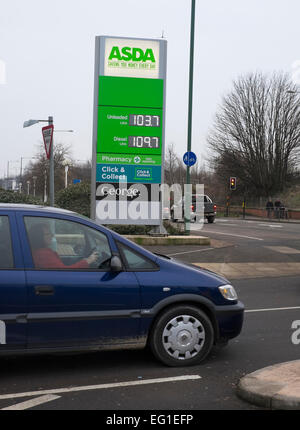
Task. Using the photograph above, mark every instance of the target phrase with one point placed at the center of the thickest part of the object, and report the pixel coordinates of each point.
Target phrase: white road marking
(283, 249)
(189, 252)
(31, 403)
(271, 225)
(232, 224)
(99, 387)
(236, 235)
(272, 309)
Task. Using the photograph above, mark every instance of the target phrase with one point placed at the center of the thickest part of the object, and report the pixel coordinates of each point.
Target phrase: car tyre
(210, 219)
(182, 336)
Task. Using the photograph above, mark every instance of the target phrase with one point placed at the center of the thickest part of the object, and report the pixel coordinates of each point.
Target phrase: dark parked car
(68, 284)
(201, 207)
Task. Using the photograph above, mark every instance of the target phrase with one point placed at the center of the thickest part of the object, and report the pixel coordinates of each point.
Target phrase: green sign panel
(133, 92)
(129, 130)
(154, 160)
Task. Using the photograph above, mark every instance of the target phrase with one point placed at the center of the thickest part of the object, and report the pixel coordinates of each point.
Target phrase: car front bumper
(229, 320)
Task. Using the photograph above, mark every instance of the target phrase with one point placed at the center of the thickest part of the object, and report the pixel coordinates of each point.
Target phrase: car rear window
(200, 199)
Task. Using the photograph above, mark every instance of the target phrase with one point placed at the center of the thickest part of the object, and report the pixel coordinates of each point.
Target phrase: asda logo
(131, 54)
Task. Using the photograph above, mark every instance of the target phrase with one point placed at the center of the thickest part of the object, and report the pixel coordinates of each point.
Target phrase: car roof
(21, 206)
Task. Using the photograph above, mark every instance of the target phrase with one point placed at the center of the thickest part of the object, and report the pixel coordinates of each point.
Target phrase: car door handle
(44, 290)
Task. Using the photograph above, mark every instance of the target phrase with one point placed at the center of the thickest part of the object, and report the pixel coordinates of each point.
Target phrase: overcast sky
(47, 62)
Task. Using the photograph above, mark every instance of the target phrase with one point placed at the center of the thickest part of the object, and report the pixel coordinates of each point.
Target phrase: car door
(76, 305)
(13, 299)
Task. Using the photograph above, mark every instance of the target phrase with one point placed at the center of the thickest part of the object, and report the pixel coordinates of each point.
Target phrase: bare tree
(175, 172)
(171, 165)
(256, 135)
(80, 171)
(37, 172)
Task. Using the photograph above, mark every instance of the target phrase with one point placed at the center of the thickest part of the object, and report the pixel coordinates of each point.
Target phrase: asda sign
(131, 54)
(132, 58)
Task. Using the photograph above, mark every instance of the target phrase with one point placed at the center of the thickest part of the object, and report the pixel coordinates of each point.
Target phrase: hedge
(7, 196)
(75, 198)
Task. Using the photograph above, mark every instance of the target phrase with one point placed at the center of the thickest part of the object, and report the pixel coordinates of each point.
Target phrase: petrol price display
(130, 130)
(144, 120)
(143, 142)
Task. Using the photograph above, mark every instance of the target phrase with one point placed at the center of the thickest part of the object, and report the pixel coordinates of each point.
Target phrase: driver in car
(45, 258)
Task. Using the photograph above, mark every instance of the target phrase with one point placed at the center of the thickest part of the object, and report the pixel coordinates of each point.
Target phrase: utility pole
(34, 184)
(187, 216)
(45, 186)
(51, 167)
(51, 158)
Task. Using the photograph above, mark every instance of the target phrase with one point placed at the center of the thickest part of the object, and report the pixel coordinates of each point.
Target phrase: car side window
(6, 254)
(134, 260)
(63, 244)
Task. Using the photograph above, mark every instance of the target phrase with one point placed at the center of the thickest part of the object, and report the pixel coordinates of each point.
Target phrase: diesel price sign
(128, 137)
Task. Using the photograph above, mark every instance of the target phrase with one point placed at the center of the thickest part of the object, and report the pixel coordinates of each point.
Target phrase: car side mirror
(116, 264)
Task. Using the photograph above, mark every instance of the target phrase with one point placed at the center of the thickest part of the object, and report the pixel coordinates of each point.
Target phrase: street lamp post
(34, 184)
(66, 175)
(51, 160)
(45, 186)
(51, 167)
(187, 216)
(21, 167)
(67, 163)
(8, 172)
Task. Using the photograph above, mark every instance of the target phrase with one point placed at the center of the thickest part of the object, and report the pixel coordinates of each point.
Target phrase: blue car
(68, 284)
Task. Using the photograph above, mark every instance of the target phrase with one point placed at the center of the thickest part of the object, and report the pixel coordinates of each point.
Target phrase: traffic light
(233, 183)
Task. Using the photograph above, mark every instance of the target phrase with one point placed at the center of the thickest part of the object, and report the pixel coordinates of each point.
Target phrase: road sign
(48, 137)
(189, 158)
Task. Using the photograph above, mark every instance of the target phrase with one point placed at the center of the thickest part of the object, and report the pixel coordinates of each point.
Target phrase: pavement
(264, 219)
(273, 387)
(251, 270)
(174, 240)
